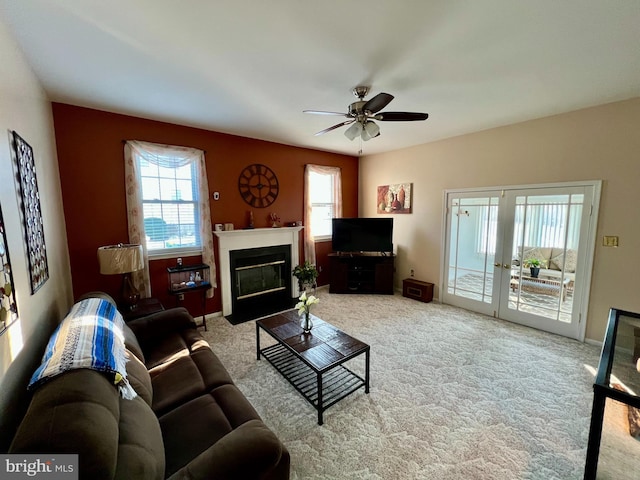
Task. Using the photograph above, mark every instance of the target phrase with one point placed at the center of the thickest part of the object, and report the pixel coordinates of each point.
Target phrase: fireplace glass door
(260, 280)
(264, 278)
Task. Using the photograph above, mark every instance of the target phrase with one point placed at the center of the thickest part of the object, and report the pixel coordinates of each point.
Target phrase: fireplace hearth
(259, 286)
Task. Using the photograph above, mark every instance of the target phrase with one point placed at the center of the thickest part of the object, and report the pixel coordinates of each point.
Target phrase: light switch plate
(610, 241)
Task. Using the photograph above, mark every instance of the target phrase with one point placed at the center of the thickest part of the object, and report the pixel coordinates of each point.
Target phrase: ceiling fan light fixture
(365, 136)
(370, 130)
(353, 131)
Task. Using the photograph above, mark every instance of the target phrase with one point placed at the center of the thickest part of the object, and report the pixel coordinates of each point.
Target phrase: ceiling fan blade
(321, 112)
(377, 103)
(401, 116)
(338, 125)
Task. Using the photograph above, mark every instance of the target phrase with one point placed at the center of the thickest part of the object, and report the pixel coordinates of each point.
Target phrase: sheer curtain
(167, 156)
(309, 244)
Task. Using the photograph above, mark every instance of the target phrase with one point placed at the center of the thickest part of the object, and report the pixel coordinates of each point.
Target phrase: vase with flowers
(304, 307)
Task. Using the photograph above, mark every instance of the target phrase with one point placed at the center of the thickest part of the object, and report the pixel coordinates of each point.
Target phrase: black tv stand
(365, 272)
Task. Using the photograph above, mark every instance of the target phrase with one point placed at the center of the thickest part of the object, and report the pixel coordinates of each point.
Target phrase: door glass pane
(472, 247)
(544, 254)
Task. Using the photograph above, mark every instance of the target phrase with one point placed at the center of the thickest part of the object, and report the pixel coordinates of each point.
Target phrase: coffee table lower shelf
(336, 383)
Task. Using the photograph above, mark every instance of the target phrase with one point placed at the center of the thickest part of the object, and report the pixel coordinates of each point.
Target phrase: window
(170, 206)
(167, 205)
(322, 203)
(550, 222)
(163, 182)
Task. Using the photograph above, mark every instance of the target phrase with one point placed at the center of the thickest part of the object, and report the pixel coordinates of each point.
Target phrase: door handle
(497, 264)
(508, 267)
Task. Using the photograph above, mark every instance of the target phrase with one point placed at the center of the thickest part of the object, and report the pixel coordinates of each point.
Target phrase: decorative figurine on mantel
(250, 220)
(275, 219)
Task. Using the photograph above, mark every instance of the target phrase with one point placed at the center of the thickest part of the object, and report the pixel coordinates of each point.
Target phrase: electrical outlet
(412, 272)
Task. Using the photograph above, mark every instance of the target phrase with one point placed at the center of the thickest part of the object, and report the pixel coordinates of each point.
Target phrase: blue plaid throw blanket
(90, 336)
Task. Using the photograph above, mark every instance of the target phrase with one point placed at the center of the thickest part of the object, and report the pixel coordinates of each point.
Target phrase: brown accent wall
(91, 160)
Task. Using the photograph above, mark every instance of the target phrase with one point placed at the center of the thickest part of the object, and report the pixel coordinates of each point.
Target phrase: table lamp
(122, 259)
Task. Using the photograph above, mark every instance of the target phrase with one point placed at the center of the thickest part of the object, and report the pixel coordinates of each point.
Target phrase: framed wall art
(395, 198)
(8, 307)
(31, 213)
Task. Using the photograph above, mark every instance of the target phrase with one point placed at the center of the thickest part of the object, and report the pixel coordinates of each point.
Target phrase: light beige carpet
(454, 395)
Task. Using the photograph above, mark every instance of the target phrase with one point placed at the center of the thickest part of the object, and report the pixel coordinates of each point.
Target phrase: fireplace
(260, 280)
(257, 284)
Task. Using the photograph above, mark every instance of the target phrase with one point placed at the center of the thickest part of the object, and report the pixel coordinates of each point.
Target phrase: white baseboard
(591, 341)
(213, 315)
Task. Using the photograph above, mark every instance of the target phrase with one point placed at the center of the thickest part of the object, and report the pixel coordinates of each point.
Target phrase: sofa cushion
(194, 426)
(174, 382)
(76, 412)
(131, 342)
(139, 377)
(558, 259)
(175, 344)
(249, 451)
(541, 253)
(152, 329)
(182, 367)
(140, 447)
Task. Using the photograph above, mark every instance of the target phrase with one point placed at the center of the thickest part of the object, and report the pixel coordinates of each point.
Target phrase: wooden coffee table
(313, 362)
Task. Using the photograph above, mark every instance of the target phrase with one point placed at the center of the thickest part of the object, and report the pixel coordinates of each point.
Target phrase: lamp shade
(121, 258)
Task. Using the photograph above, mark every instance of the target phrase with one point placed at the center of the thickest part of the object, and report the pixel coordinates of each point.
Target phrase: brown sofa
(188, 420)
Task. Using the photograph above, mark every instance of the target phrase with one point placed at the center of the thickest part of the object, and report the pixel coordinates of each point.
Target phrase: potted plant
(534, 265)
(306, 275)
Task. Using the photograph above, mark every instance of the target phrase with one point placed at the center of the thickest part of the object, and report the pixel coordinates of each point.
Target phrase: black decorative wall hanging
(8, 307)
(32, 215)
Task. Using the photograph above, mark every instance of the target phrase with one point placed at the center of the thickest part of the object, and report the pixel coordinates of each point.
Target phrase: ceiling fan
(362, 114)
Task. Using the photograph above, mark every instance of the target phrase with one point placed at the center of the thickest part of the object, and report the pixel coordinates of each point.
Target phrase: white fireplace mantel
(231, 240)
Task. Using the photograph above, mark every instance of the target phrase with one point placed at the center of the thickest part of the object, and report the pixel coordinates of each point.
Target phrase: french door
(492, 238)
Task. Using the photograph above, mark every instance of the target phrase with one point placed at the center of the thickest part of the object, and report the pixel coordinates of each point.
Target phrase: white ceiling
(250, 67)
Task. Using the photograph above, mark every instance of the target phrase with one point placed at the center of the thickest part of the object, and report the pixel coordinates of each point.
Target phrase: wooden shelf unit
(190, 278)
(361, 273)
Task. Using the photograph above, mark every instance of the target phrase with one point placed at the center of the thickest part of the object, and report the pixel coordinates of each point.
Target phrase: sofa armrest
(249, 451)
(158, 325)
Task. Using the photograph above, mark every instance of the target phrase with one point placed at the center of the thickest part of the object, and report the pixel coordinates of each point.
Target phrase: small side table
(190, 278)
(417, 289)
(146, 306)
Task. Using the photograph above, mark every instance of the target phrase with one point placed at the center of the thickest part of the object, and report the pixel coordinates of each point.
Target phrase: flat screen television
(362, 235)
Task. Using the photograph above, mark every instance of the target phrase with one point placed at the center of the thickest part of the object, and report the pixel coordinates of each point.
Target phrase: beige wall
(25, 108)
(599, 143)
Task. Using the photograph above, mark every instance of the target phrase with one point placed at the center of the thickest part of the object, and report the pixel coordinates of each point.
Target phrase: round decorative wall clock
(258, 185)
